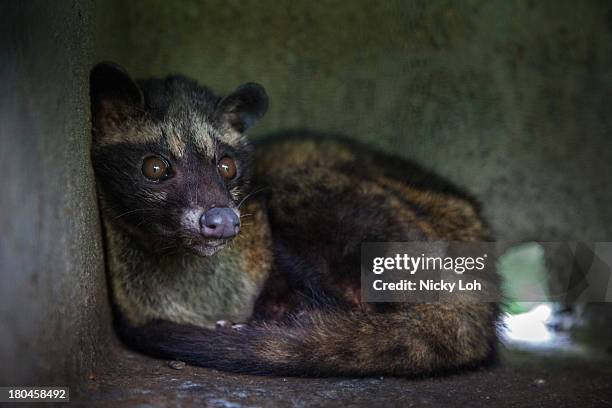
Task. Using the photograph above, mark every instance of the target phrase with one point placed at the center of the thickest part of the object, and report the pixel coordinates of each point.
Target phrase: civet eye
(155, 168)
(227, 168)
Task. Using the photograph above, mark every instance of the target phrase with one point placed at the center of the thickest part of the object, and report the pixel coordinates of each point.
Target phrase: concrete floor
(522, 378)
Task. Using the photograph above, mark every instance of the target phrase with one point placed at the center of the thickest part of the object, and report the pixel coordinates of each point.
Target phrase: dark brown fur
(294, 270)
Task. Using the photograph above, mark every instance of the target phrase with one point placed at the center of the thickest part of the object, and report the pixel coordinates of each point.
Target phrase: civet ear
(115, 97)
(243, 107)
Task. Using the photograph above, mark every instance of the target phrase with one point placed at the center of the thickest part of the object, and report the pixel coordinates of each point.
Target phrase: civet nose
(220, 223)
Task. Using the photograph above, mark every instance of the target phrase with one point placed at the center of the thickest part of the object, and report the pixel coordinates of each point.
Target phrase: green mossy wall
(510, 100)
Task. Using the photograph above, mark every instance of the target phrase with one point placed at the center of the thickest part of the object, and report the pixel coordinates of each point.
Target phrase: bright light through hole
(530, 327)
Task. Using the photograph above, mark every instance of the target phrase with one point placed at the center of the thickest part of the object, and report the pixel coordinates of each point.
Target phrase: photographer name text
(427, 285)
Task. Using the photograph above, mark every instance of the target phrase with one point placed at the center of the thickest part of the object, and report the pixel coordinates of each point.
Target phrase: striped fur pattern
(292, 273)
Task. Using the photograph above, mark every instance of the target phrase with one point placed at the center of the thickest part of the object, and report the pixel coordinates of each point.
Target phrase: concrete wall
(508, 99)
(54, 316)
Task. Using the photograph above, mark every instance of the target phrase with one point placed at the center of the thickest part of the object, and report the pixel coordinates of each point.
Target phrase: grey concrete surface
(54, 317)
(533, 379)
(510, 100)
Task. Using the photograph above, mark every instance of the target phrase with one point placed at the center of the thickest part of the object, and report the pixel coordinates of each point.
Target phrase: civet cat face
(170, 158)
